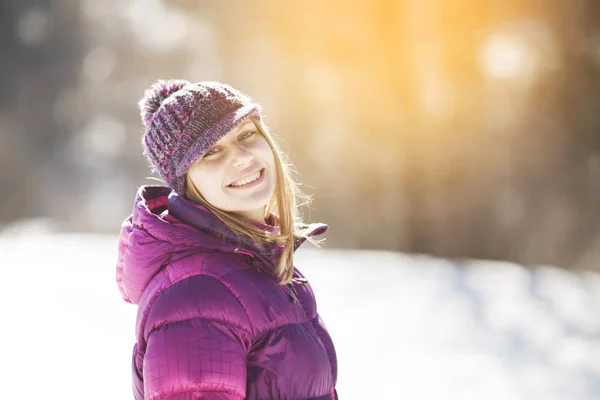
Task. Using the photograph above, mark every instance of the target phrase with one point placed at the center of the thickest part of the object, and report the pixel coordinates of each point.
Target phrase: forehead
(244, 124)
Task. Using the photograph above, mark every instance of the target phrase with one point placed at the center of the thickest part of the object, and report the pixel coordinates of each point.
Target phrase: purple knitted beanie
(184, 119)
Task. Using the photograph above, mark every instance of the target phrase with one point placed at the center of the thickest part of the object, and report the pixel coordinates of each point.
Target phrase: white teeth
(247, 180)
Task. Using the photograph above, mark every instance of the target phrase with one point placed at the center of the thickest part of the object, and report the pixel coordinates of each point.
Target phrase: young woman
(209, 258)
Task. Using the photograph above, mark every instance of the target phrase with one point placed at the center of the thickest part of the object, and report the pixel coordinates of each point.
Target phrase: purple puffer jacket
(212, 323)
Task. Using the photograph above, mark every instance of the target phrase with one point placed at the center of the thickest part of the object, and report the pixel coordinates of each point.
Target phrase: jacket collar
(202, 219)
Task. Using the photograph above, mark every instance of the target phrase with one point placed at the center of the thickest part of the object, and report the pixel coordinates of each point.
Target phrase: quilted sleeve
(196, 358)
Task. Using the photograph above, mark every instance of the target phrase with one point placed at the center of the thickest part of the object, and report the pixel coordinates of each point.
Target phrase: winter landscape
(405, 326)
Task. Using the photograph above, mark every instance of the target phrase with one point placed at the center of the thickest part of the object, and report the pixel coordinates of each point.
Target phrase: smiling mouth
(248, 180)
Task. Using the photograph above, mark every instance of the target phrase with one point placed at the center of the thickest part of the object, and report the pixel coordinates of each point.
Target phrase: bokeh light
(505, 56)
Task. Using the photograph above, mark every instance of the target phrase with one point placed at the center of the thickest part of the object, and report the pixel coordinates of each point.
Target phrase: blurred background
(460, 129)
(457, 128)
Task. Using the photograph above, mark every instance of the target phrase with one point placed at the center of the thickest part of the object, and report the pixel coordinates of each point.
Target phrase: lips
(247, 179)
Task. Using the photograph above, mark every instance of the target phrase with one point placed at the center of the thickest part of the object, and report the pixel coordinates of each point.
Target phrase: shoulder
(204, 285)
(198, 296)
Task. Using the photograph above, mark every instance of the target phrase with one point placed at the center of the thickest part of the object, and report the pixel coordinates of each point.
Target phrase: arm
(195, 359)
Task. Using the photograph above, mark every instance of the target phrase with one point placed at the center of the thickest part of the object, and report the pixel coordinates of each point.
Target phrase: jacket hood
(164, 227)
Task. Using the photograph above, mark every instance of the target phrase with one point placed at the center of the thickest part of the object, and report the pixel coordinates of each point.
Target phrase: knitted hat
(184, 119)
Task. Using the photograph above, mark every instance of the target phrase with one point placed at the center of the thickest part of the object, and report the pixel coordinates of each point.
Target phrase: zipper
(311, 322)
(290, 296)
(301, 281)
(291, 285)
(253, 262)
(294, 299)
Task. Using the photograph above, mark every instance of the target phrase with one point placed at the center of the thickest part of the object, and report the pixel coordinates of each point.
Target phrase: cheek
(206, 181)
(265, 152)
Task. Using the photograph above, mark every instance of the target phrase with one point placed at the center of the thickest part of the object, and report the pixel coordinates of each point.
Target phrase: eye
(210, 152)
(246, 135)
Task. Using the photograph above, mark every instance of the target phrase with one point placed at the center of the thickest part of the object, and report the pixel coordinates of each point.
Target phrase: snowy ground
(405, 327)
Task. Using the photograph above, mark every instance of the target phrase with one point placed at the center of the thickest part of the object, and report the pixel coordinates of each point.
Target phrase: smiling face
(237, 173)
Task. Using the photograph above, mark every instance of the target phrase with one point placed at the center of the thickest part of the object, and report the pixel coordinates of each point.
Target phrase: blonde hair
(284, 204)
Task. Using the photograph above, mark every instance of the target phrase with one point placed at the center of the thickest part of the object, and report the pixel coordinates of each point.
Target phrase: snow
(404, 326)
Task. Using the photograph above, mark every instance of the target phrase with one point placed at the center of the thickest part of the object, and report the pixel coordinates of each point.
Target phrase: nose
(242, 157)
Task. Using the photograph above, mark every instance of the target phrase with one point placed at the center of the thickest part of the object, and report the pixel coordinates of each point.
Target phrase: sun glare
(505, 56)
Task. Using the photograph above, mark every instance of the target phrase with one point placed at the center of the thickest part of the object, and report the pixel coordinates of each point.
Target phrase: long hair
(284, 204)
